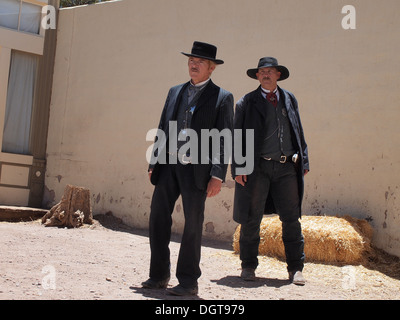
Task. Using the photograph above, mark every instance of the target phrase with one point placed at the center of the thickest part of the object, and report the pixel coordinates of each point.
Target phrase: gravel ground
(108, 261)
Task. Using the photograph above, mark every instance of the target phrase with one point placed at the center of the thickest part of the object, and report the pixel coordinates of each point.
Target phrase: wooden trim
(5, 58)
(21, 41)
(41, 113)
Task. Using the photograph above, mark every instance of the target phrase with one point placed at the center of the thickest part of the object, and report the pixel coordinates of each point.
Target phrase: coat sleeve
(238, 124)
(224, 125)
(303, 146)
(161, 126)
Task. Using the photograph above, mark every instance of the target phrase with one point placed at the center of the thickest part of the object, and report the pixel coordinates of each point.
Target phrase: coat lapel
(288, 103)
(178, 100)
(289, 107)
(259, 103)
(209, 91)
(291, 114)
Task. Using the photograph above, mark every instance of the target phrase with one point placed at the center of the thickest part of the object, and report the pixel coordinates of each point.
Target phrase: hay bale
(327, 239)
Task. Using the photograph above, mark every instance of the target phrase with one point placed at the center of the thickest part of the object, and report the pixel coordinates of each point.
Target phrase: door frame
(28, 170)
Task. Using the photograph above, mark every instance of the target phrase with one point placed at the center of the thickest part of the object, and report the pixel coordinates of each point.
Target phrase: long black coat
(250, 114)
(214, 110)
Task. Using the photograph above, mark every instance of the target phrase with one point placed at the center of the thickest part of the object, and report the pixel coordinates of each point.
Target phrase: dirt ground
(108, 261)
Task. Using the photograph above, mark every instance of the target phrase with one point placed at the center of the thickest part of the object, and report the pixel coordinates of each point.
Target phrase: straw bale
(327, 238)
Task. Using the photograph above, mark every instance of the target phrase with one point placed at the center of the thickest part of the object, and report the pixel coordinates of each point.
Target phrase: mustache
(266, 78)
(194, 69)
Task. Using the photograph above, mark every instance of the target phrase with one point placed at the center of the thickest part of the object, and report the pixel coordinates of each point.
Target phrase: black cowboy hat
(204, 51)
(272, 63)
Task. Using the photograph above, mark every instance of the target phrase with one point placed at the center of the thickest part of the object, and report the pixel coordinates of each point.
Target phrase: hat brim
(217, 61)
(252, 73)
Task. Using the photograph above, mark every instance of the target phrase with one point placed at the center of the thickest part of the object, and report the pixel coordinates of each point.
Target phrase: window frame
(21, 41)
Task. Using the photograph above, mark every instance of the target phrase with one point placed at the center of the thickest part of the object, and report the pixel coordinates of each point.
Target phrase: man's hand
(213, 187)
(241, 180)
(150, 172)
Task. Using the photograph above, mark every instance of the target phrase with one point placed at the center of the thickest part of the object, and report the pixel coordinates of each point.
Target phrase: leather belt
(183, 158)
(284, 159)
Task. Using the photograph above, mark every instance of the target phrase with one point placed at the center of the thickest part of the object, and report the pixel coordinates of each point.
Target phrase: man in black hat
(190, 108)
(280, 162)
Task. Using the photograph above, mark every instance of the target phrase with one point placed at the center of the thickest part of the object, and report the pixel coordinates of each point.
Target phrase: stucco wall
(115, 63)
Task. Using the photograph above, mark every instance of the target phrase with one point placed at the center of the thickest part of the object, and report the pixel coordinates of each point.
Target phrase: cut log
(72, 211)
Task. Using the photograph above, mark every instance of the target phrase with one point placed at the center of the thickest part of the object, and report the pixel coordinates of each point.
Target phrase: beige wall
(116, 61)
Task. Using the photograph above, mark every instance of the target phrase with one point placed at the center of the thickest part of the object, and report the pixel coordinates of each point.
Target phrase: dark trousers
(281, 180)
(176, 180)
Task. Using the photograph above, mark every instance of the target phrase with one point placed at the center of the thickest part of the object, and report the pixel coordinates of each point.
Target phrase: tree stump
(72, 211)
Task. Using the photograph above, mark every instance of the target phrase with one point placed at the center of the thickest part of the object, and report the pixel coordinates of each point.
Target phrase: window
(20, 15)
(21, 88)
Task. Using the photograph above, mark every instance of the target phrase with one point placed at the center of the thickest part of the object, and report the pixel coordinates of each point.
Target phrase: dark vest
(186, 108)
(277, 138)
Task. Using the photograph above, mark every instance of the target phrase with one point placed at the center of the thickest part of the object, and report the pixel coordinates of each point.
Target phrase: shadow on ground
(377, 259)
(237, 282)
(113, 223)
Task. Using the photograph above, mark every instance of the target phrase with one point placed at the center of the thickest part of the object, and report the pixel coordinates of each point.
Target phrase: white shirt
(200, 84)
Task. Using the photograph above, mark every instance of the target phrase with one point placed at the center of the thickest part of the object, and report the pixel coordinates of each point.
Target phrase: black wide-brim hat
(272, 63)
(205, 51)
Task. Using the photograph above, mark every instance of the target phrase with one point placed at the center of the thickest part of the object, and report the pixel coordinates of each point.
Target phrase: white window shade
(27, 14)
(21, 86)
(9, 12)
(30, 18)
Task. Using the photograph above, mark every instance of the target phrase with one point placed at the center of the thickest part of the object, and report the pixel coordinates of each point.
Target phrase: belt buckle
(283, 159)
(185, 159)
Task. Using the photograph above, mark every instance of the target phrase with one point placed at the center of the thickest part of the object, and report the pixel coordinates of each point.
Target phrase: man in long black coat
(276, 185)
(181, 167)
